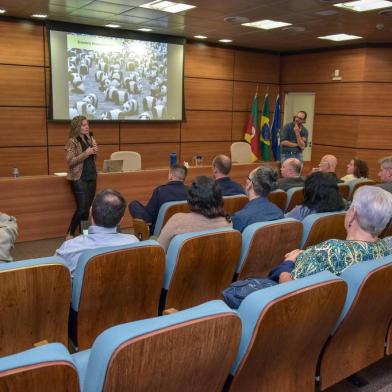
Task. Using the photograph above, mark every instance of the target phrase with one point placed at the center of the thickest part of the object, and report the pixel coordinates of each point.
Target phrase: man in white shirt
(107, 212)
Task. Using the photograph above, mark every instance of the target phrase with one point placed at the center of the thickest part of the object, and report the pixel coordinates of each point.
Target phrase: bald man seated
(291, 174)
(221, 166)
(328, 164)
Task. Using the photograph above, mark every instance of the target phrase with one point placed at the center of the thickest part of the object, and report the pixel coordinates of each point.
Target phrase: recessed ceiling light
(340, 37)
(364, 5)
(200, 36)
(226, 41)
(3, 11)
(42, 16)
(145, 29)
(167, 6)
(266, 24)
(113, 26)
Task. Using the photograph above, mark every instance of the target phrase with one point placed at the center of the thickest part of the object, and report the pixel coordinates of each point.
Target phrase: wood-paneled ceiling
(208, 19)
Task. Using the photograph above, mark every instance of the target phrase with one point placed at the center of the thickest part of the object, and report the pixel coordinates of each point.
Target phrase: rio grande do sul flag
(252, 130)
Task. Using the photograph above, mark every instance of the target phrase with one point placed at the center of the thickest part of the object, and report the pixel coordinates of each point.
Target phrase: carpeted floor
(378, 375)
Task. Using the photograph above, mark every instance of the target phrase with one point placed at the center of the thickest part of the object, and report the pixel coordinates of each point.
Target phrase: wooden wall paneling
(22, 86)
(378, 65)
(333, 98)
(256, 67)
(335, 130)
(206, 149)
(105, 133)
(46, 47)
(21, 43)
(22, 126)
(208, 94)
(206, 125)
(147, 132)
(376, 99)
(48, 87)
(240, 122)
(57, 161)
(245, 91)
(154, 155)
(374, 132)
(30, 161)
(199, 63)
(343, 154)
(301, 68)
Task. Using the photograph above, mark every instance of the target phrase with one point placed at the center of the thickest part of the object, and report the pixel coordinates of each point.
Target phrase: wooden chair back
(141, 229)
(296, 199)
(205, 266)
(288, 338)
(326, 228)
(119, 286)
(34, 306)
(358, 184)
(193, 356)
(388, 350)
(233, 204)
(387, 232)
(359, 340)
(344, 190)
(268, 246)
(42, 377)
(279, 198)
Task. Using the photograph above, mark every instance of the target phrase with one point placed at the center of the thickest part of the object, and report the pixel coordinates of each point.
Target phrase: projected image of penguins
(119, 85)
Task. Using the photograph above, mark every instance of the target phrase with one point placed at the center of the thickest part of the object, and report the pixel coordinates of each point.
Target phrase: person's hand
(297, 129)
(292, 256)
(91, 150)
(285, 277)
(94, 143)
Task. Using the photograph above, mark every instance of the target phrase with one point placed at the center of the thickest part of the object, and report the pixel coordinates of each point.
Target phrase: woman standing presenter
(80, 152)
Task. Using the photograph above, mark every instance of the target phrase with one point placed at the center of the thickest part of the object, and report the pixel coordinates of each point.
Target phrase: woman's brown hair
(76, 124)
(360, 168)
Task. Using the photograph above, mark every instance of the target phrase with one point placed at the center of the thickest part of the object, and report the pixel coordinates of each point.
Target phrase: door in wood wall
(293, 103)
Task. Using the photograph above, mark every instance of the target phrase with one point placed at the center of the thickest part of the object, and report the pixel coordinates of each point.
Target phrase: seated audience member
(328, 164)
(321, 194)
(369, 213)
(291, 174)
(174, 190)
(207, 212)
(385, 173)
(221, 166)
(356, 168)
(107, 212)
(259, 184)
(8, 235)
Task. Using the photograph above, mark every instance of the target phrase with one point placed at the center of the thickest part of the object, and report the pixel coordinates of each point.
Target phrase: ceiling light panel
(168, 6)
(266, 24)
(340, 37)
(364, 5)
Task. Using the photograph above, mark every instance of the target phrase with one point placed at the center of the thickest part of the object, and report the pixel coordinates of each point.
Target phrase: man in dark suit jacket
(174, 190)
(291, 174)
(221, 166)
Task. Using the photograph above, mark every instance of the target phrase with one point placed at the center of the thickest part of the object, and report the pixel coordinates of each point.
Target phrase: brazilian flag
(265, 132)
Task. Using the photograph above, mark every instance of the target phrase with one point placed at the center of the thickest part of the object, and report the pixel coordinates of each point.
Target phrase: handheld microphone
(92, 142)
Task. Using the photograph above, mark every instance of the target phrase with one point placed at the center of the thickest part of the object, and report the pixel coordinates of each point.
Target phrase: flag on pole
(265, 134)
(252, 130)
(275, 131)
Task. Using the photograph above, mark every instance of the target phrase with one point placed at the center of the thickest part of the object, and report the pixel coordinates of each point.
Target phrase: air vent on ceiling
(236, 19)
(329, 1)
(293, 29)
(387, 12)
(327, 12)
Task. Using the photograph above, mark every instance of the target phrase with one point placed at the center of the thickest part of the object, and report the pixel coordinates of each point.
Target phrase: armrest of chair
(141, 229)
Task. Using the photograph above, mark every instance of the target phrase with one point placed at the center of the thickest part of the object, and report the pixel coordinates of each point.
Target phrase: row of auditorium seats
(282, 338)
(286, 201)
(120, 284)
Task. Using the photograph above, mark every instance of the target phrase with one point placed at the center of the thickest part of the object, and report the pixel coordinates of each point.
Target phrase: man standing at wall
(294, 137)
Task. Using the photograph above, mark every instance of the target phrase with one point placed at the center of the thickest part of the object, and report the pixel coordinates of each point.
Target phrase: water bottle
(15, 172)
(173, 158)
